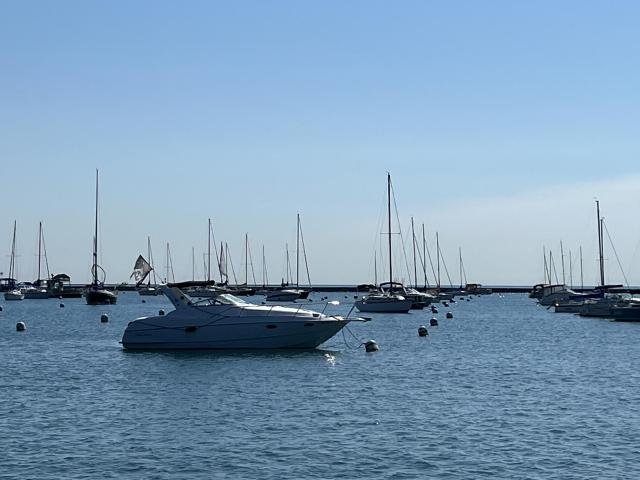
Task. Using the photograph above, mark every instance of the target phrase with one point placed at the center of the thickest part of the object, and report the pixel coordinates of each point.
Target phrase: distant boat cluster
(604, 301)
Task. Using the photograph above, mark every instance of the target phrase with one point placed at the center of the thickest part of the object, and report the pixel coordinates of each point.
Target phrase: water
(504, 390)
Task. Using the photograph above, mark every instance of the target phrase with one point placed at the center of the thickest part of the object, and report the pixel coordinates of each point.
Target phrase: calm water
(504, 390)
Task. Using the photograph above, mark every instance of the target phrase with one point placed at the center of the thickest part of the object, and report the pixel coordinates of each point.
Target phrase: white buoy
(433, 322)
(20, 327)
(161, 312)
(104, 318)
(449, 315)
(422, 331)
(371, 346)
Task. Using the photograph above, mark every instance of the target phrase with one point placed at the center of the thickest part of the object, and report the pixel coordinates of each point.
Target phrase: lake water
(506, 389)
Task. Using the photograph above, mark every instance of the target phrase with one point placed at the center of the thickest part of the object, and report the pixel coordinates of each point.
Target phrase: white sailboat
(388, 301)
(38, 290)
(150, 289)
(13, 293)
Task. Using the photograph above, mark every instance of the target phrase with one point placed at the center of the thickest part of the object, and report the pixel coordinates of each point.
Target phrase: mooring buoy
(422, 331)
(445, 304)
(0, 308)
(62, 305)
(449, 315)
(144, 301)
(468, 299)
(434, 310)
(371, 346)
(104, 318)
(20, 327)
(161, 312)
(433, 322)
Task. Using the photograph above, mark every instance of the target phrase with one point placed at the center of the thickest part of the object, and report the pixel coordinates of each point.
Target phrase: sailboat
(96, 294)
(13, 293)
(387, 301)
(39, 290)
(287, 294)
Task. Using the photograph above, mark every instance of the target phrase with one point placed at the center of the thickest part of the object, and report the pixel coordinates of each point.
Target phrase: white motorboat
(384, 303)
(35, 293)
(227, 322)
(14, 295)
(286, 295)
(419, 300)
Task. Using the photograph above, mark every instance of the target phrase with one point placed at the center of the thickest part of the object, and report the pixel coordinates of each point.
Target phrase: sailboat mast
(562, 261)
(415, 265)
(12, 262)
(298, 252)
(209, 253)
(151, 261)
(581, 278)
(600, 246)
(389, 226)
(246, 259)
(424, 257)
(460, 255)
(570, 271)
(95, 239)
(264, 269)
(438, 255)
(375, 268)
(39, 250)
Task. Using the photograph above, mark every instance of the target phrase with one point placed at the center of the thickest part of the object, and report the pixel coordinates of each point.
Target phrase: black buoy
(104, 318)
(0, 308)
(433, 322)
(62, 305)
(371, 346)
(144, 301)
(60, 297)
(20, 327)
(468, 299)
(449, 315)
(452, 301)
(434, 310)
(161, 312)
(445, 304)
(355, 296)
(422, 331)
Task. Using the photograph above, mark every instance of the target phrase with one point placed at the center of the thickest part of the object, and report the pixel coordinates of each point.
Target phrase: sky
(500, 123)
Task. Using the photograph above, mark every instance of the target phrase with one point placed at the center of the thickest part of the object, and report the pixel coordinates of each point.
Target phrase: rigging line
(233, 271)
(424, 270)
(445, 268)
(404, 250)
(46, 259)
(304, 254)
(433, 270)
(613, 247)
(253, 272)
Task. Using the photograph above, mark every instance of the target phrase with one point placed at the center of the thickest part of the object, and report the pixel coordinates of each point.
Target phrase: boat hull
(396, 306)
(100, 297)
(163, 333)
(38, 295)
(149, 292)
(13, 295)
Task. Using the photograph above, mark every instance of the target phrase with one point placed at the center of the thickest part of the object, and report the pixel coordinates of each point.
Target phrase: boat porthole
(190, 329)
(272, 326)
(316, 315)
(309, 324)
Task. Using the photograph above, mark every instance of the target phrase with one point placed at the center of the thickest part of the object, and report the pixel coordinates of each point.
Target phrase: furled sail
(140, 270)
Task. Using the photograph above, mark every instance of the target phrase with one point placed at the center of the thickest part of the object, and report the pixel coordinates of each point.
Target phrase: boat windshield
(228, 299)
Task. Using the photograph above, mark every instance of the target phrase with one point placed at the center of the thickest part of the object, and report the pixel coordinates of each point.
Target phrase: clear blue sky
(248, 112)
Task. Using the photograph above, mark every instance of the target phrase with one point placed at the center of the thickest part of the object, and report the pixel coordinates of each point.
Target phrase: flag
(141, 269)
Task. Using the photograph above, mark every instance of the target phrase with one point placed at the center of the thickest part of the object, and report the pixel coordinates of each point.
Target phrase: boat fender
(422, 331)
(161, 312)
(104, 318)
(433, 322)
(190, 329)
(371, 346)
(20, 327)
(449, 315)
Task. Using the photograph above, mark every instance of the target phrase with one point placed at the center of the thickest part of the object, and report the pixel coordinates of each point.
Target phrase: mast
(460, 254)
(438, 254)
(12, 262)
(424, 257)
(39, 251)
(151, 261)
(389, 225)
(547, 273)
(95, 239)
(298, 252)
(209, 253)
(562, 261)
(246, 259)
(581, 279)
(288, 272)
(415, 266)
(600, 246)
(375, 268)
(193, 264)
(264, 269)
